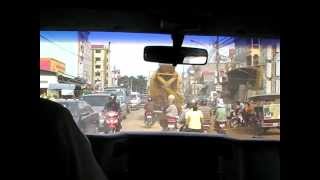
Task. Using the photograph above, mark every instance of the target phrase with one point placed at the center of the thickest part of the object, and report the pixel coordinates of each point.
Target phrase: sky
(126, 48)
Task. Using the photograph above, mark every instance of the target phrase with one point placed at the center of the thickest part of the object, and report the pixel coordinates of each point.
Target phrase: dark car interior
(156, 155)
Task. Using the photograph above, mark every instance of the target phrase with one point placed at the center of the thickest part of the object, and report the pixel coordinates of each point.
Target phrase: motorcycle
(172, 123)
(148, 119)
(220, 127)
(111, 121)
(236, 120)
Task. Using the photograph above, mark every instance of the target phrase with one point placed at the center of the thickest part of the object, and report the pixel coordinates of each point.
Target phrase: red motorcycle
(148, 119)
(111, 120)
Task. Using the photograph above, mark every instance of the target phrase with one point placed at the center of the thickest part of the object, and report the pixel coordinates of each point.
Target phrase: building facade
(255, 69)
(84, 57)
(101, 67)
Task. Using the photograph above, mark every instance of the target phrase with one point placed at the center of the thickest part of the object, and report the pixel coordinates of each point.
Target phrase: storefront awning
(62, 86)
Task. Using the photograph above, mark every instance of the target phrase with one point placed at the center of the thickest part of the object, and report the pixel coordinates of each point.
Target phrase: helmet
(113, 96)
(171, 97)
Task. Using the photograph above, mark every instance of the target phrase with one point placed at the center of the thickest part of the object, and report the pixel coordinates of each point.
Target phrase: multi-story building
(101, 66)
(255, 68)
(84, 57)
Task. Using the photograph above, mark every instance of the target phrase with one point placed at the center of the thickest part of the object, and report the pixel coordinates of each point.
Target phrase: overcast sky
(126, 49)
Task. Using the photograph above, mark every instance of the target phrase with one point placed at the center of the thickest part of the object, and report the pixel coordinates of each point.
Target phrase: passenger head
(149, 99)
(189, 105)
(195, 106)
(171, 99)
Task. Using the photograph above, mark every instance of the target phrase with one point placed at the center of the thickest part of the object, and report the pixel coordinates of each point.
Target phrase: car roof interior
(158, 155)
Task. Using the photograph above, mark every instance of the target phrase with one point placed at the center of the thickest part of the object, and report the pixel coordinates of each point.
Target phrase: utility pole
(217, 62)
(217, 59)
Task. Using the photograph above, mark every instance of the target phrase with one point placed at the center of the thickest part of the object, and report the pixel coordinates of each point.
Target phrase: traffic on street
(112, 83)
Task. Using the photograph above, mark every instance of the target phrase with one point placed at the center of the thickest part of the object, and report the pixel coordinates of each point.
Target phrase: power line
(42, 36)
(225, 40)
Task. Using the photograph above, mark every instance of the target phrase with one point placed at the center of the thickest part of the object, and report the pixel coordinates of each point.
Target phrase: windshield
(132, 97)
(113, 62)
(71, 106)
(96, 100)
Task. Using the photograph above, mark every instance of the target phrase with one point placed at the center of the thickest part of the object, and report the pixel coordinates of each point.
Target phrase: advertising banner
(271, 111)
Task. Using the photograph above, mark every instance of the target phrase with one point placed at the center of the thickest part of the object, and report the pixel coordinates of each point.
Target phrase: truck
(164, 82)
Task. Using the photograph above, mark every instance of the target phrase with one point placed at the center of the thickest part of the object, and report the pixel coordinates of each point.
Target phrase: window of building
(98, 59)
(98, 66)
(98, 51)
(97, 73)
(255, 60)
(248, 60)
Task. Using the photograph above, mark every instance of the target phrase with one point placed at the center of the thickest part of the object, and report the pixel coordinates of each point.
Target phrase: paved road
(134, 122)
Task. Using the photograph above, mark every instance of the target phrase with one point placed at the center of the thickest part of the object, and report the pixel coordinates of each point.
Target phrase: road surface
(135, 122)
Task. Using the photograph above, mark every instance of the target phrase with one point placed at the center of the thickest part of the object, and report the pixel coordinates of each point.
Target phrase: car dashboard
(171, 156)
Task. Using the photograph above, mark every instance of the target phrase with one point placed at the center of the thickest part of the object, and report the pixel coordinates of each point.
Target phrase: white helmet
(171, 97)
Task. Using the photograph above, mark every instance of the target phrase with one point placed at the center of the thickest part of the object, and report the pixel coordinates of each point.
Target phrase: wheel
(261, 131)
(234, 123)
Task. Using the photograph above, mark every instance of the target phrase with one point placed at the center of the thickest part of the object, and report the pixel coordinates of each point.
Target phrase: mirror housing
(173, 55)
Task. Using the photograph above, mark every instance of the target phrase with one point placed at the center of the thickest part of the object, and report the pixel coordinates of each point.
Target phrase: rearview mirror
(171, 55)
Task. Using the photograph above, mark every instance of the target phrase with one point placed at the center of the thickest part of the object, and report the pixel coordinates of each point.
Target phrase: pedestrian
(220, 115)
(207, 115)
(194, 119)
(182, 119)
(248, 112)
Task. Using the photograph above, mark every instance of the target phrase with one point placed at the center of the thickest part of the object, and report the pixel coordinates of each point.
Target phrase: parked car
(83, 114)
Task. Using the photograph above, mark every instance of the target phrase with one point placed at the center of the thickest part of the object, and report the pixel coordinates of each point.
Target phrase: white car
(134, 101)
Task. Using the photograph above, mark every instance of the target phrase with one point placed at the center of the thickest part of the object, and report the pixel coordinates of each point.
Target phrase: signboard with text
(271, 111)
(53, 65)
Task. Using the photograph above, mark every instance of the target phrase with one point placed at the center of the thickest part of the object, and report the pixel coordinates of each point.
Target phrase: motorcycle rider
(182, 119)
(172, 110)
(194, 119)
(148, 107)
(207, 115)
(113, 105)
(248, 112)
(220, 115)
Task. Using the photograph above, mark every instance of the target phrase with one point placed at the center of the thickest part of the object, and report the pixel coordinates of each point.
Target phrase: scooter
(172, 123)
(220, 127)
(148, 119)
(111, 121)
(236, 120)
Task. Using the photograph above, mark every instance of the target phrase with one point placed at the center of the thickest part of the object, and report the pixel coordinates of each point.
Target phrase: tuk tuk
(267, 110)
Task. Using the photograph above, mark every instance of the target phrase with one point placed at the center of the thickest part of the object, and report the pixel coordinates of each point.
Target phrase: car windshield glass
(71, 106)
(86, 65)
(132, 97)
(96, 100)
